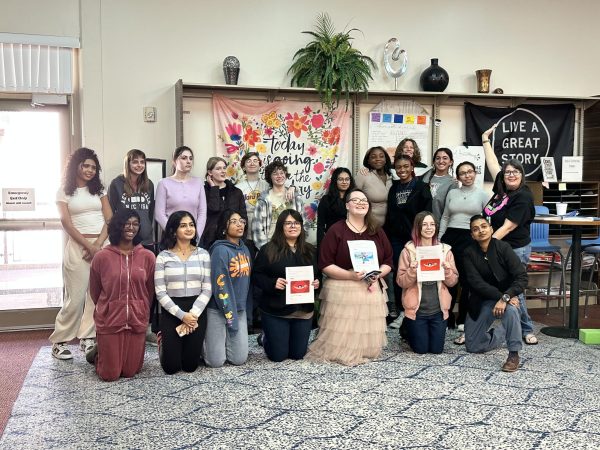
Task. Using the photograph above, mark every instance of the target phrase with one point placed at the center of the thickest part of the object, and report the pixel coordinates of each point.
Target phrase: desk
(572, 331)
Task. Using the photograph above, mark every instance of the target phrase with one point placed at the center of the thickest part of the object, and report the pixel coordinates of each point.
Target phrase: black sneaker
(259, 339)
(90, 355)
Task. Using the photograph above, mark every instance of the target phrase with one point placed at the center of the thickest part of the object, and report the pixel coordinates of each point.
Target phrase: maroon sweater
(122, 287)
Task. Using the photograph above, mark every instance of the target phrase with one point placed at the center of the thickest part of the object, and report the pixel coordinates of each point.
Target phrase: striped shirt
(176, 278)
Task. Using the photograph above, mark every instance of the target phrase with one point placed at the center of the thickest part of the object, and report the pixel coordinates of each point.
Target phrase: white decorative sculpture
(392, 50)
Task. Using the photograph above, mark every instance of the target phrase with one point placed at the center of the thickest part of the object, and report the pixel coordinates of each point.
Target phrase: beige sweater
(376, 192)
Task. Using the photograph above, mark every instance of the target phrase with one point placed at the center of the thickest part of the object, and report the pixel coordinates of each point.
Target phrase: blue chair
(540, 243)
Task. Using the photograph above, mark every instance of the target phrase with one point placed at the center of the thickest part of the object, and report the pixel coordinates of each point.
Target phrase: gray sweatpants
(479, 338)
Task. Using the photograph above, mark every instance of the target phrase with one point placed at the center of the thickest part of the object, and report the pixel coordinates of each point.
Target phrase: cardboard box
(589, 336)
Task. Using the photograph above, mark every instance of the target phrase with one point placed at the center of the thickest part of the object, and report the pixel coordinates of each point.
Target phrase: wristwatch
(506, 298)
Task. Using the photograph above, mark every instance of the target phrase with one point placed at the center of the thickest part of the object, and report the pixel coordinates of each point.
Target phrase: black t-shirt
(516, 207)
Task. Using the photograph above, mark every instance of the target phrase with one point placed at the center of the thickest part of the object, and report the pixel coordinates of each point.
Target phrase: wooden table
(572, 331)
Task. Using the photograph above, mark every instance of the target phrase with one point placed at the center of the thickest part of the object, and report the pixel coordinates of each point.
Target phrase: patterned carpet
(450, 401)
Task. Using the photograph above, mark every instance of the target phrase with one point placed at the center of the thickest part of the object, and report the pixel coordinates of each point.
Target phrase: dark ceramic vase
(434, 78)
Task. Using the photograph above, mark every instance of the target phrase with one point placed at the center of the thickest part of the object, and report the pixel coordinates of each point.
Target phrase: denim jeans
(284, 337)
(526, 322)
(426, 334)
(220, 344)
(479, 340)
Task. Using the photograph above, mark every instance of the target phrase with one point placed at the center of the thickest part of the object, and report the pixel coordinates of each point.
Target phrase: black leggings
(180, 353)
(459, 239)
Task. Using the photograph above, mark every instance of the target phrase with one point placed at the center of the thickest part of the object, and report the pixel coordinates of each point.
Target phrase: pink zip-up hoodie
(122, 288)
(411, 288)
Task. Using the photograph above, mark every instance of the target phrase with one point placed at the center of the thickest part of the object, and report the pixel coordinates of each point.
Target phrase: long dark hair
(143, 182)
(178, 151)
(387, 168)
(279, 247)
(78, 157)
(372, 226)
(169, 236)
(117, 223)
(333, 190)
(448, 152)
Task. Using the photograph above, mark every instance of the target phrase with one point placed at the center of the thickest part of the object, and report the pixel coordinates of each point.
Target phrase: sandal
(460, 340)
(530, 339)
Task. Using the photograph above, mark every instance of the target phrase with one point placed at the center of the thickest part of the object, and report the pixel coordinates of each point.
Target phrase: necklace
(466, 193)
(252, 189)
(357, 230)
(184, 252)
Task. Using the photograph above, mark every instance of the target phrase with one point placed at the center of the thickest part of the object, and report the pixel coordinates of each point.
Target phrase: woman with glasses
(510, 212)
(426, 303)
(227, 328)
(122, 288)
(461, 204)
(353, 309)
(286, 328)
(181, 191)
(183, 289)
(251, 185)
(331, 206)
(440, 180)
(84, 214)
(271, 203)
(221, 194)
(407, 197)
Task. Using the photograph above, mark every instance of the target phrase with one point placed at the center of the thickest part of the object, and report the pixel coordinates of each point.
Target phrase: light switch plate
(149, 114)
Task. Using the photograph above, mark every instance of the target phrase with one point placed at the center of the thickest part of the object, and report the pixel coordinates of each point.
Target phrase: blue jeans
(426, 334)
(285, 338)
(220, 344)
(480, 339)
(526, 322)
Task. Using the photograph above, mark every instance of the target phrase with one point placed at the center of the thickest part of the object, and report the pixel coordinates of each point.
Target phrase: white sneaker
(398, 322)
(86, 344)
(61, 351)
(461, 327)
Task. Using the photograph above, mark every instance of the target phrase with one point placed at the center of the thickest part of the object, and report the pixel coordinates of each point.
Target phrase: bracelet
(486, 141)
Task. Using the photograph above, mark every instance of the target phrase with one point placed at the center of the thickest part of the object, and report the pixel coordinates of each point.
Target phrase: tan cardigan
(377, 193)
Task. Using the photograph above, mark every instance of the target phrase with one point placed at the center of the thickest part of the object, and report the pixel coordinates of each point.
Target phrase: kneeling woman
(122, 288)
(182, 284)
(227, 328)
(426, 304)
(352, 322)
(286, 327)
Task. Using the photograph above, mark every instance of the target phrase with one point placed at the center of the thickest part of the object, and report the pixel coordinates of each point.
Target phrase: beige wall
(133, 51)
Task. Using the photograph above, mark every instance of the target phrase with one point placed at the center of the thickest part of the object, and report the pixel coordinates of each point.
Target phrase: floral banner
(309, 139)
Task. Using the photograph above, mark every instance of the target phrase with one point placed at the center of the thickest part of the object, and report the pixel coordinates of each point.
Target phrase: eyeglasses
(343, 180)
(279, 173)
(187, 225)
(238, 221)
(358, 201)
(291, 224)
(468, 172)
(88, 166)
(512, 173)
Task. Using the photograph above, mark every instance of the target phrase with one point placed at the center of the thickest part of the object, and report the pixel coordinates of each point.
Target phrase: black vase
(434, 78)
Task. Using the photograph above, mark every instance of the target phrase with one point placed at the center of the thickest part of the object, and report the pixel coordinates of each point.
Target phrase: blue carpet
(451, 401)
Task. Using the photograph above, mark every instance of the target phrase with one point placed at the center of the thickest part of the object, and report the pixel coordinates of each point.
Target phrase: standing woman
(134, 190)
(181, 191)
(408, 146)
(227, 327)
(461, 204)
(122, 288)
(221, 194)
(352, 321)
(182, 285)
(440, 180)
(84, 213)
(252, 185)
(331, 206)
(375, 180)
(426, 304)
(408, 196)
(272, 202)
(286, 328)
(510, 212)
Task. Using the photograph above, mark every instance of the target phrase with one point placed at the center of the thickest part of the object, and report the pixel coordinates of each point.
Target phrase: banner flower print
(309, 140)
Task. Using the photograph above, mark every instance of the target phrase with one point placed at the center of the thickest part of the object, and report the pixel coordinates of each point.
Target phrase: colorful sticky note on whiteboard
(387, 118)
(409, 119)
(375, 117)
(398, 118)
(421, 120)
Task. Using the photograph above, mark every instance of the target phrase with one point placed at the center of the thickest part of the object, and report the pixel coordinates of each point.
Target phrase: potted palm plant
(330, 64)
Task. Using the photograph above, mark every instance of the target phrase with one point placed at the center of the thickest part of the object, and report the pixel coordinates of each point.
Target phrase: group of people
(225, 247)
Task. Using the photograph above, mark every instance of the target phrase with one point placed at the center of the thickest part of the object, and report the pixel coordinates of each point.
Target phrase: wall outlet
(149, 114)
